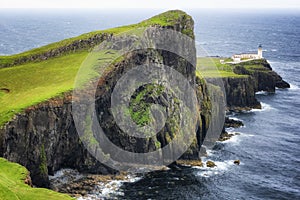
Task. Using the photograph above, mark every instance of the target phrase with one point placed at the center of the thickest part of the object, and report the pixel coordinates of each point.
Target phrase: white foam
(294, 87)
(235, 118)
(220, 168)
(264, 107)
(107, 190)
(209, 152)
(64, 176)
(261, 93)
(234, 140)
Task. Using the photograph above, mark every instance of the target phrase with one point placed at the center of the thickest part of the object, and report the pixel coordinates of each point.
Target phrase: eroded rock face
(240, 92)
(44, 138)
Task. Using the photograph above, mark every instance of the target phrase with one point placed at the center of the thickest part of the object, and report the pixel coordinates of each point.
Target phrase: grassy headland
(13, 187)
(211, 67)
(29, 78)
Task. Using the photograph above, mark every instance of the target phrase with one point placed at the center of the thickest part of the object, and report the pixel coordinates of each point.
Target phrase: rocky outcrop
(240, 91)
(265, 78)
(44, 138)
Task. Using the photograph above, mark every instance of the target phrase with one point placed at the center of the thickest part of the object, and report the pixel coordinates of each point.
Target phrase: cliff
(36, 90)
(41, 134)
(15, 183)
(241, 80)
(261, 77)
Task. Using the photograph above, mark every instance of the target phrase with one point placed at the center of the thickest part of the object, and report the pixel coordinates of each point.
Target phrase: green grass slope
(36, 81)
(165, 19)
(12, 186)
(211, 67)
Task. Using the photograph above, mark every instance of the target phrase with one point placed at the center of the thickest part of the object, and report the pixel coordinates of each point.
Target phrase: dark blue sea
(268, 145)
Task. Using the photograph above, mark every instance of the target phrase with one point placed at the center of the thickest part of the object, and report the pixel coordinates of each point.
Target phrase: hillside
(38, 129)
(12, 184)
(37, 75)
(241, 80)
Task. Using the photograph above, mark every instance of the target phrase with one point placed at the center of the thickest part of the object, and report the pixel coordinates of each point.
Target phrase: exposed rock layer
(44, 138)
(240, 92)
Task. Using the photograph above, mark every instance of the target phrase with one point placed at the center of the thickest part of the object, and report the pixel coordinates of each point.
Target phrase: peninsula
(37, 127)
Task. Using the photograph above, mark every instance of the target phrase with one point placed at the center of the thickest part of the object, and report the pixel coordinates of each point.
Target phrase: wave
(262, 93)
(110, 189)
(234, 140)
(235, 118)
(264, 107)
(221, 167)
(294, 87)
(64, 176)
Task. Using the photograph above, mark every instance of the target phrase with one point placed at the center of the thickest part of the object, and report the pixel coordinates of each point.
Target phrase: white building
(247, 56)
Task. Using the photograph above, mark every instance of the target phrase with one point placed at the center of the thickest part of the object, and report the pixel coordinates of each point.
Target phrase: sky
(163, 4)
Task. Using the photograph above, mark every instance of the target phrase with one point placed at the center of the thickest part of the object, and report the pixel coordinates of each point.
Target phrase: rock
(203, 152)
(237, 162)
(240, 92)
(225, 136)
(282, 84)
(210, 164)
(232, 123)
(197, 163)
(50, 124)
(28, 181)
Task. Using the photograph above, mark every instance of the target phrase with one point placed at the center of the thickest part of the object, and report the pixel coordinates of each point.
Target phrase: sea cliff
(43, 138)
(41, 134)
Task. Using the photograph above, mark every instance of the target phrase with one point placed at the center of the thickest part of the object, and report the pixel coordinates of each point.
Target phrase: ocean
(268, 145)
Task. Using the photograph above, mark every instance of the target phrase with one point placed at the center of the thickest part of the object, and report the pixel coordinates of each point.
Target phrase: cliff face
(44, 138)
(265, 78)
(240, 92)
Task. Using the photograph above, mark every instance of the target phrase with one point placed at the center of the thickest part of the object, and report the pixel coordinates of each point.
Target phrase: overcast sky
(168, 4)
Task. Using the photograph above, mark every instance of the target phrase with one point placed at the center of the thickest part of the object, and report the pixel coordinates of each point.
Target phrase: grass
(212, 68)
(165, 19)
(37, 81)
(28, 83)
(140, 109)
(12, 186)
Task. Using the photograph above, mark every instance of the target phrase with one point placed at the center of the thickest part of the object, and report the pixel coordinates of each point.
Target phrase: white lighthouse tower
(260, 52)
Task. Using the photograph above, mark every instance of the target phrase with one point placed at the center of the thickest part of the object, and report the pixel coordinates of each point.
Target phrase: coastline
(237, 101)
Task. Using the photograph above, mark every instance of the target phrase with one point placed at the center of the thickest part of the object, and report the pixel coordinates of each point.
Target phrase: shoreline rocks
(210, 164)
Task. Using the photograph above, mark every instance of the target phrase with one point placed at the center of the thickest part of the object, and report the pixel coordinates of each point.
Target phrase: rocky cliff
(44, 138)
(240, 92)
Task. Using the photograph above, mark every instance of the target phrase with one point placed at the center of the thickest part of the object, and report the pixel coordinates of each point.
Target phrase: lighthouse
(260, 52)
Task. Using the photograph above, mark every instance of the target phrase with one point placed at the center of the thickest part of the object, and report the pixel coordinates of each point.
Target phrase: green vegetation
(139, 108)
(208, 67)
(157, 144)
(36, 82)
(165, 19)
(255, 65)
(12, 186)
(39, 80)
(43, 165)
